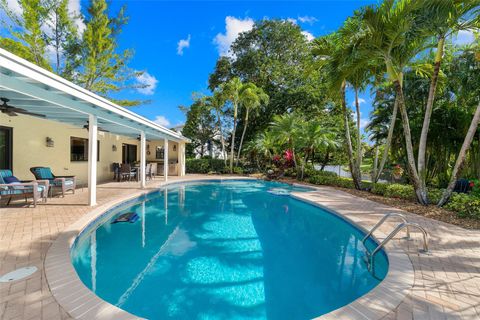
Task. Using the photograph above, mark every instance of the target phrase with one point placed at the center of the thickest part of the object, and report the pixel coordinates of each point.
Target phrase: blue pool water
(226, 250)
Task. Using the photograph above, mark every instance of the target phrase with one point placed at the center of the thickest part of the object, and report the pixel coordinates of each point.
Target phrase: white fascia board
(31, 71)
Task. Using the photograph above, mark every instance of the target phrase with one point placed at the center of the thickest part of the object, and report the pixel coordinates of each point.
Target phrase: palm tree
(252, 98)
(264, 144)
(285, 128)
(461, 157)
(331, 52)
(391, 34)
(217, 102)
(232, 91)
(443, 18)
(312, 136)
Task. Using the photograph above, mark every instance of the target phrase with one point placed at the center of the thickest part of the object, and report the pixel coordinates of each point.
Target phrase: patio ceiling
(36, 90)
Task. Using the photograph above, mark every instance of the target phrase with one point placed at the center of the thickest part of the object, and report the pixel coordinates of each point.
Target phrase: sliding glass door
(6, 147)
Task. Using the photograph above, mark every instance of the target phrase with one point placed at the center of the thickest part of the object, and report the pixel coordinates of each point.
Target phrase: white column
(181, 158)
(143, 163)
(165, 159)
(92, 160)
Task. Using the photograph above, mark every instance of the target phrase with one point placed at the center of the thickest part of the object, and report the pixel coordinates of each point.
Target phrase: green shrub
(434, 195)
(402, 191)
(205, 165)
(466, 205)
(379, 188)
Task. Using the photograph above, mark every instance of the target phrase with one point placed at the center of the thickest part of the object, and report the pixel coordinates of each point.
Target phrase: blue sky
(204, 29)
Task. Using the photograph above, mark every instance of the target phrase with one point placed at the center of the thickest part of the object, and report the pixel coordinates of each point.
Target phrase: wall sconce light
(148, 147)
(49, 142)
(174, 147)
(114, 147)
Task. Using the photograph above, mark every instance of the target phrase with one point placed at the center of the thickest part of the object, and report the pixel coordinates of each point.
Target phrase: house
(46, 120)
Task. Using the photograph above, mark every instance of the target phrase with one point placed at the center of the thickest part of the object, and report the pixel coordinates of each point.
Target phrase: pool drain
(18, 274)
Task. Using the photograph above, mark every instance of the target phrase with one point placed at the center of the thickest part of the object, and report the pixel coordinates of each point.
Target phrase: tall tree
(443, 18)
(62, 37)
(103, 69)
(232, 90)
(252, 97)
(330, 51)
(217, 102)
(390, 34)
(199, 127)
(26, 36)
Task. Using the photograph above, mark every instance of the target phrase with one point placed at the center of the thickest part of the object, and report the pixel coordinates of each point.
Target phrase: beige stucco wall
(29, 148)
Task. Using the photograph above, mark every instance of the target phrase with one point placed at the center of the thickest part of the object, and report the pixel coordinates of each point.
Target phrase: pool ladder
(403, 225)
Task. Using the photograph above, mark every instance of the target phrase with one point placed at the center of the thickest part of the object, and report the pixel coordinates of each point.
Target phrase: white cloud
(147, 80)
(233, 27)
(182, 44)
(464, 37)
(307, 19)
(14, 6)
(163, 121)
(360, 101)
(75, 9)
(363, 121)
(292, 20)
(310, 37)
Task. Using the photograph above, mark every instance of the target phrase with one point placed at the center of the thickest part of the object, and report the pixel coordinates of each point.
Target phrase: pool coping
(82, 303)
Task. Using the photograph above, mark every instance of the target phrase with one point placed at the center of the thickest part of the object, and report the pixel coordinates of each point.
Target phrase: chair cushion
(3, 174)
(44, 173)
(11, 179)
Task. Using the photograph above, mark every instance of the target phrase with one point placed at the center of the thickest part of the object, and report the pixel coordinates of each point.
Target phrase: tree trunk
(359, 136)
(356, 179)
(461, 157)
(375, 164)
(222, 139)
(422, 148)
(243, 135)
(232, 153)
(420, 191)
(389, 140)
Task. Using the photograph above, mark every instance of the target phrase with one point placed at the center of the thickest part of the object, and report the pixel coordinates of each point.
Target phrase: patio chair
(127, 173)
(149, 171)
(11, 187)
(64, 183)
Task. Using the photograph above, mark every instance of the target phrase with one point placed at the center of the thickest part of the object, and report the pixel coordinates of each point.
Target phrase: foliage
(199, 127)
(465, 205)
(91, 60)
(205, 165)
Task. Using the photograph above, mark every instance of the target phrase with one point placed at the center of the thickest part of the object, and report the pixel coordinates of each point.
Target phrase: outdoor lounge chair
(64, 183)
(127, 173)
(11, 187)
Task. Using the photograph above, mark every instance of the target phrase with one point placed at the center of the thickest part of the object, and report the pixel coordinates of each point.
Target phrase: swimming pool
(226, 249)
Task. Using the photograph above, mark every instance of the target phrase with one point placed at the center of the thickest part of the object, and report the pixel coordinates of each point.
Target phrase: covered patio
(57, 112)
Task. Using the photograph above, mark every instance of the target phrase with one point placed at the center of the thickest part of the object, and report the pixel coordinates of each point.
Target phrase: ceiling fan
(14, 111)
(98, 128)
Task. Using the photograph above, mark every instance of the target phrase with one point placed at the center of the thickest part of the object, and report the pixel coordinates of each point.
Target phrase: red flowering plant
(475, 187)
(288, 156)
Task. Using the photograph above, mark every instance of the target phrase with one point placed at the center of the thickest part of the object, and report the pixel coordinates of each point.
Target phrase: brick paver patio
(447, 281)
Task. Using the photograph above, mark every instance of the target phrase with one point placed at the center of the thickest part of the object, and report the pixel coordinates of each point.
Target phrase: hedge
(466, 205)
(205, 165)
(209, 165)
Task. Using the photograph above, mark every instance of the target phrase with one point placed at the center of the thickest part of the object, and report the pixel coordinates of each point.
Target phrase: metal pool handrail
(381, 221)
(393, 233)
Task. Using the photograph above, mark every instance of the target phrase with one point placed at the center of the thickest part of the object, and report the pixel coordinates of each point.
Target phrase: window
(79, 149)
(159, 153)
(6, 148)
